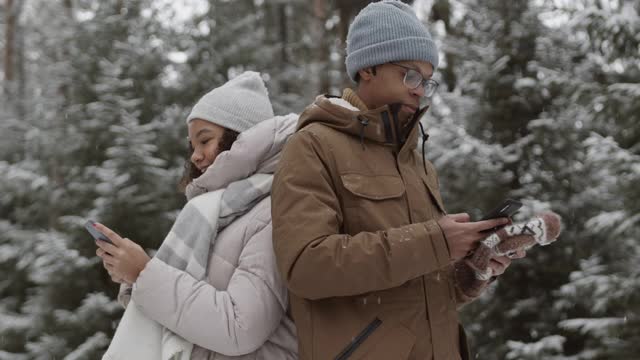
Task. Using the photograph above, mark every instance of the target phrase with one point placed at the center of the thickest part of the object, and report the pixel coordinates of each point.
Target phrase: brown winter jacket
(355, 234)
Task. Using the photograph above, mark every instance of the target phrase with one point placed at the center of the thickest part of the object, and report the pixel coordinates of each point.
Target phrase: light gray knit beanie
(239, 104)
(388, 31)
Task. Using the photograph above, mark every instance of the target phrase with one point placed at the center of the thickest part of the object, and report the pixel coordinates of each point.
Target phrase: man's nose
(418, 91)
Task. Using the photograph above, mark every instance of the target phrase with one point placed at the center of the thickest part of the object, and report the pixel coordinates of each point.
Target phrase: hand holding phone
(89, 225)
(462, 235)
(507, 209)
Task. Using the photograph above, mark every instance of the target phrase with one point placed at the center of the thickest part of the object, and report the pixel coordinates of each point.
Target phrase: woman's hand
(124, 259)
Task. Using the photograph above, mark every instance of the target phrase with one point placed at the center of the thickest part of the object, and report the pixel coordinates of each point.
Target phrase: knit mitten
(467, 286)
(473, 273)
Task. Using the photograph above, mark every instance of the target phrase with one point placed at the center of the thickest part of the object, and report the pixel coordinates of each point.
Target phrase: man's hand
(124, 259)
(462, 236)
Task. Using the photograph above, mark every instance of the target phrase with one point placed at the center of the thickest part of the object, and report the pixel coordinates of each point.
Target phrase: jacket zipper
(358, 340)
(387, 127)
(396, 126)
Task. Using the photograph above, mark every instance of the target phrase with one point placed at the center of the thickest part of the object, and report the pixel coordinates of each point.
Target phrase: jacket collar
(353, 99)
(350, 115)
(255, 151)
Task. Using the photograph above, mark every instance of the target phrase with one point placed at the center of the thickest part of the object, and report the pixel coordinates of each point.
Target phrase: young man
(360, 231)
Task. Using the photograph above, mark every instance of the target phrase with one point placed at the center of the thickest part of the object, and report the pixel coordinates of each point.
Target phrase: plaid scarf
(187, 245)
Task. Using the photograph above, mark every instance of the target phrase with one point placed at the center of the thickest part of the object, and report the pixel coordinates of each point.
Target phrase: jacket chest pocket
(373, 202)
(431, 184)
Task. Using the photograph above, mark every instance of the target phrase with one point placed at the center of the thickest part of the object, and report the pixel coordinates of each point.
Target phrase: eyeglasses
(413, 79)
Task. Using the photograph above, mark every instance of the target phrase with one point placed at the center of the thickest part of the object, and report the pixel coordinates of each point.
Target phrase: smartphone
(95, 233)
(507, 208)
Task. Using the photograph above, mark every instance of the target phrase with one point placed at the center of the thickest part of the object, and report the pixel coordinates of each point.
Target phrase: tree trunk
(68, 6)
(9, 56)
(284, 40)
(20, 74)
(322, 53)
(343, 29)
(56, 175)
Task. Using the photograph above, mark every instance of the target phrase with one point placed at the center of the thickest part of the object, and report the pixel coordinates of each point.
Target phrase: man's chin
(404, 116)
(404, 112)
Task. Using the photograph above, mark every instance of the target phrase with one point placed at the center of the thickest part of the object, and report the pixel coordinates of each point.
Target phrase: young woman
(213, 288)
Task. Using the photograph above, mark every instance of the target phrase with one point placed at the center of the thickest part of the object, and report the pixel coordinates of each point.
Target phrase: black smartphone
(95, 233)
(507, 208)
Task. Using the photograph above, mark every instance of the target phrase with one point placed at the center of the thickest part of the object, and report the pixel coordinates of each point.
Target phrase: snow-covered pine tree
(48, 295)
(599, 304)
(575, 76)
(95, 106)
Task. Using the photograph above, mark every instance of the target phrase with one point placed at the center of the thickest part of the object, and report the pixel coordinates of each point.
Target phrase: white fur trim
(343, 103)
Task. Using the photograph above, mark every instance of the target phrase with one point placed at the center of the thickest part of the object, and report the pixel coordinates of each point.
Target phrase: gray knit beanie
(239, 104)
(388, 31)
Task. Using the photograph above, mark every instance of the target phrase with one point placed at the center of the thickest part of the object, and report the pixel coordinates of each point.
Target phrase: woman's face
(204, 137)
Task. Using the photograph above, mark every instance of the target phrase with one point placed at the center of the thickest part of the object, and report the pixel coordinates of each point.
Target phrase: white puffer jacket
(240, 311)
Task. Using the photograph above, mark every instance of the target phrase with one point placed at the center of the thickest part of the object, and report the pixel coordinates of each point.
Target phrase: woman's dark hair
(191, 171)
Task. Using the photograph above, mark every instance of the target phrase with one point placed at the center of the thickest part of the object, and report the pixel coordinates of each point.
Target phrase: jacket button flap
(374, 187)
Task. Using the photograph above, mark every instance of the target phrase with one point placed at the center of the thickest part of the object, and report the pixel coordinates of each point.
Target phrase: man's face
(387, 86)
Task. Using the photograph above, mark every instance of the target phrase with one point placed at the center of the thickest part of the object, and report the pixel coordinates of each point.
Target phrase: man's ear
(367, 73)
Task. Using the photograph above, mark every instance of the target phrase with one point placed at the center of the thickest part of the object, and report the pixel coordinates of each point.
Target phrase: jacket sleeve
(124, 294)
(233, 322)
(315, 258)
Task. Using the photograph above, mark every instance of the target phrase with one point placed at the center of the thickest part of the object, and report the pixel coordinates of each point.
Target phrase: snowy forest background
(539, 100)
